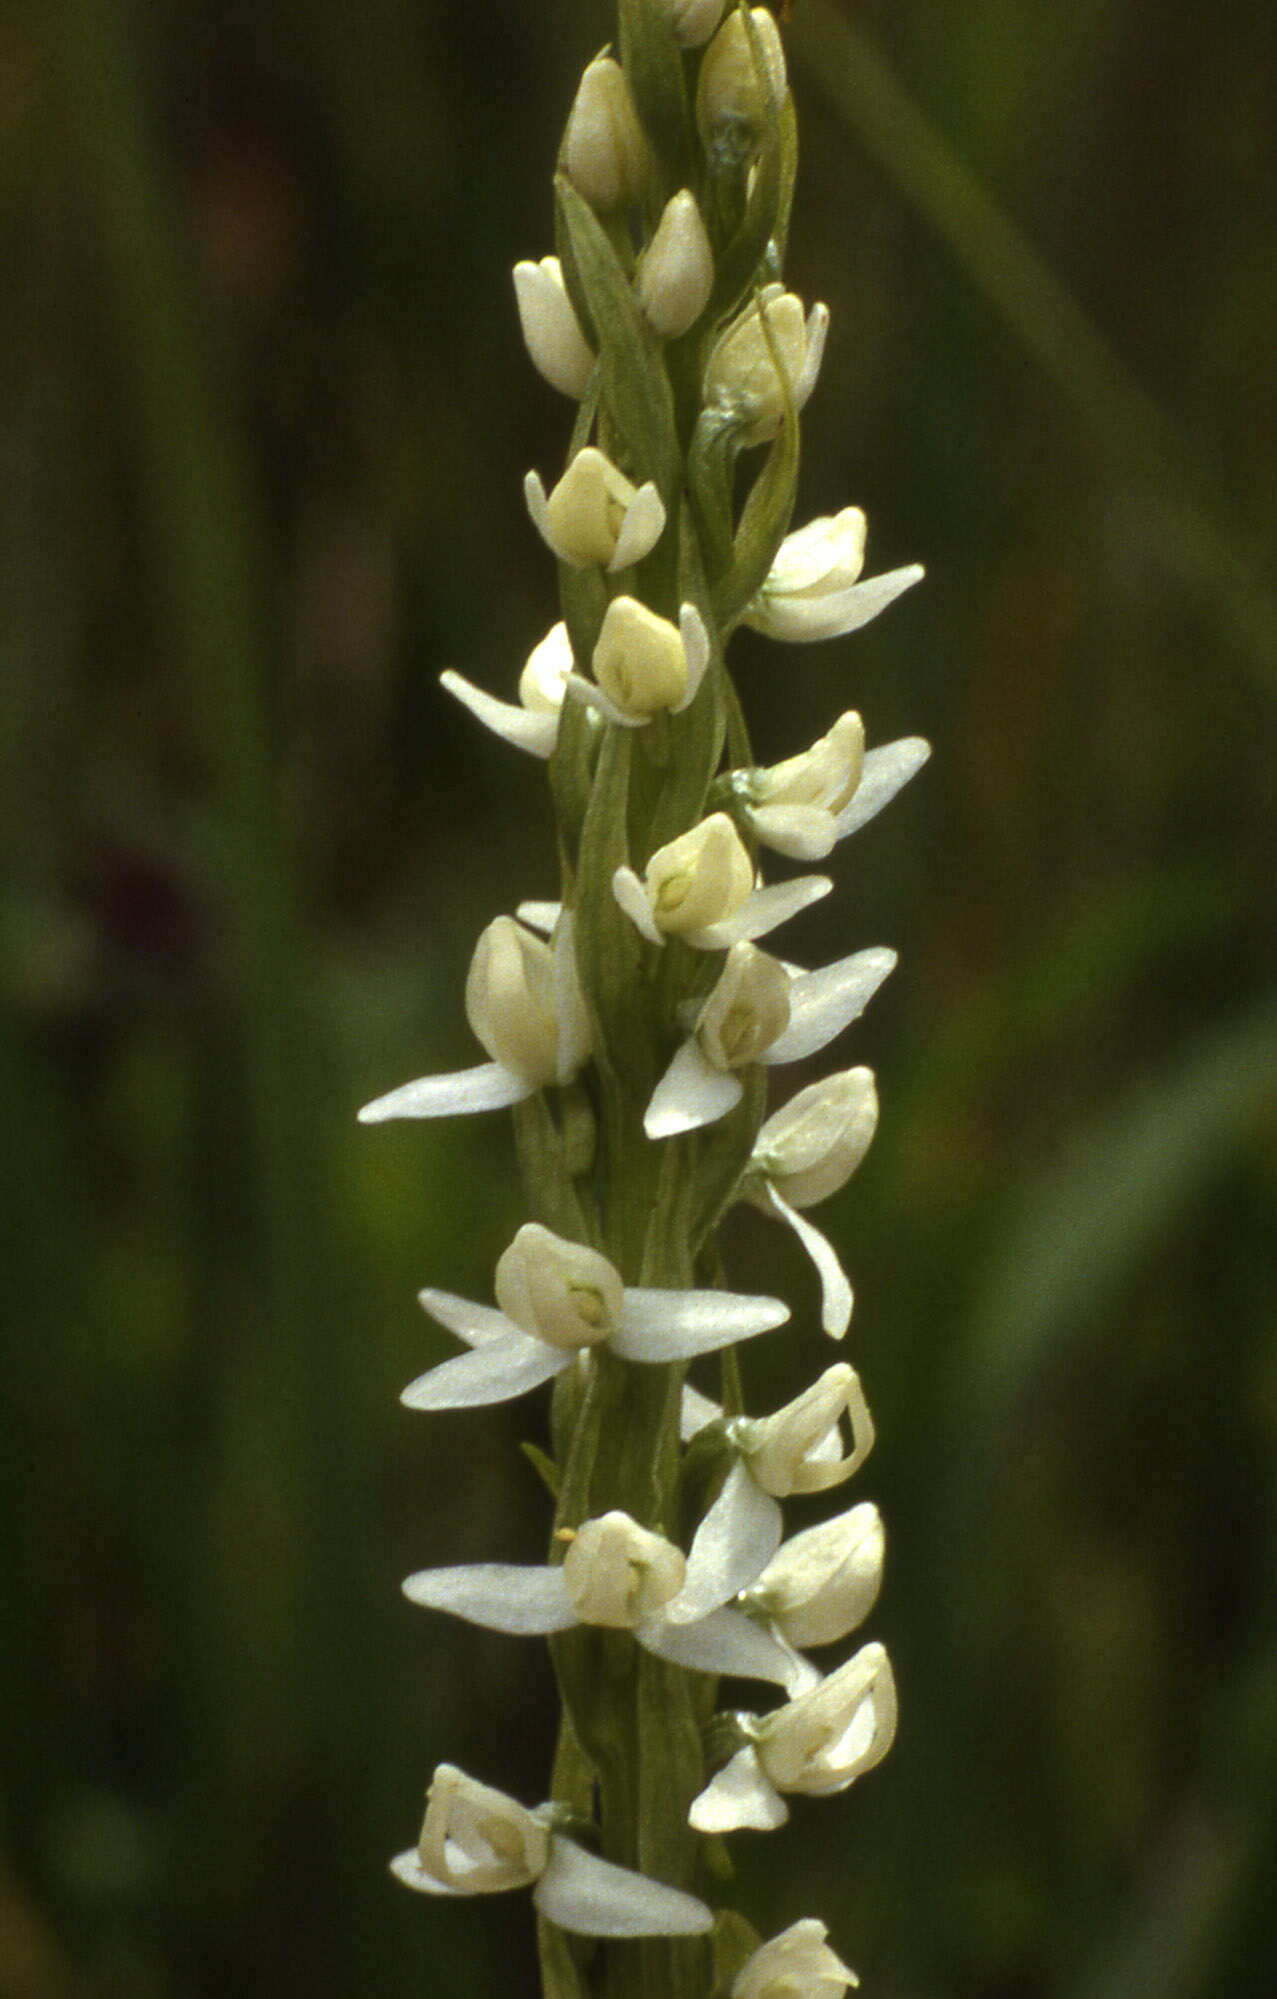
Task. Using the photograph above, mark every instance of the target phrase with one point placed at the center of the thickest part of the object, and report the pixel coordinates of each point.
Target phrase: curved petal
(886, 771)
(675, 1325)
(539, 508)
(835, 1287)
(591, 696)
(632, 898)
(540, 916)
(741, 1795)
(802, 1674)
(696, 649)
(763, 910)
(691, 1093)
(515, 724)
(724, 1642)
(822, 1003)
(527, 1602)
(731, 1548)
(496, 1372)
(595, 1898)
(490, 1087)
(477, 1325)
(642, 528)
(407, 1867)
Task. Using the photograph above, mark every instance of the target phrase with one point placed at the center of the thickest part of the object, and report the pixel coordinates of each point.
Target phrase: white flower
(556, 1298)
(812, 591)
(741, 1022)
(604, 151)
(816, 1746)
(552, 332)
(812, 1145)
(793, 806)
(617, 1575)
(644, 664)
(532, 723)
(823, 1582)
(477, 1841)
(798, 1964)
(741, 378)
(594, 514)
(700, 887)
(524, 1003)
(677, 274)
(732, 90)
(693, 21)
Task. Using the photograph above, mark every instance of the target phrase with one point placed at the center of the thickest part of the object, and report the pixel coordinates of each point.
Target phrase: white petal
(731, 1548)
(886, 770)
(539, 508)
(740, 1795)
(590, 696)
(697, 1411)
(835, 615)
(691, 1093)
(817, 328)
(477, 1325)
(632, 897)
(539, 915)
(527, 1602)
(641, 529)
(822, 1003)
(675, 1325)
(696, 646)
(490, 1087)
(762, 911)
(800, 832)
(595, 1898)
(724, 1642)
(836, 1299)
(496, 1372)
(407, 1867)
(515, 724)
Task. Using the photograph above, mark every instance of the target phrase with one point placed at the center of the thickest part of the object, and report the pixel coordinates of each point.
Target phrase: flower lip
(476, 1840)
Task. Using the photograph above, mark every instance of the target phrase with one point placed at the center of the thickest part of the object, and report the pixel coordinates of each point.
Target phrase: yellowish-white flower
(816, 1746)
(824, 1582)
(562, 1292)
(677, 273)
(812, 1145)
(700, 887)
(797, 1964)
(478, 1841)
(813, 590)
(557, 348)
(594, 514)
(605, 152)
(531, 723)
(644, 664)
(741, 379)
(693, 21)
(793, 806)
(740, 77)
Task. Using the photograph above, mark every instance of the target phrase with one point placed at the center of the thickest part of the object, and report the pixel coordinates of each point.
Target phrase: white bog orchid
(797, 1964)
(812, 590)
(815, 1746)
(700, 887)
(551, 330)
(643, 664)
(531, 723)
(556, 1298)
(802, 807)
(806, 1151)
(523, 1002)
(741, 378)
(478, 1841)
(594, 514)
(824, 1582)
(761, 1011)
(615, 1574)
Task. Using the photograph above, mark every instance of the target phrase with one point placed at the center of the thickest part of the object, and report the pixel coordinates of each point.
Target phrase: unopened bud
(561, 1292)
(677, 276)
(604, 150)
(741, 378)
(701, 878)
(551, 331)
(735, 87)
(510, 1000)
(619, 1574)
(747, 1010)
(640, 660)
(811, 1146)
(693, 21)
(798, 1964)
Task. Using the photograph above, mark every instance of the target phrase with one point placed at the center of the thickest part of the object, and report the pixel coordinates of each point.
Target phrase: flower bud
(510, 1000)
(558, 1291)
(604, 150)
(551, 331)
(823, 1583)
(823, 1740)
(701, 878)
(800, 1448)
(747, 1010)
(811, 1146)
(741, 378)
(733, 92)
(549, 663)
(477, 1840)
(640, 660)
(594, 514)
(618, 1574)
(677, 274)
(693, 21)
(798, 1964)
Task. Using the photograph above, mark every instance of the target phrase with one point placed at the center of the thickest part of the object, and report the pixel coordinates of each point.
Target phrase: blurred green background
(263, 417)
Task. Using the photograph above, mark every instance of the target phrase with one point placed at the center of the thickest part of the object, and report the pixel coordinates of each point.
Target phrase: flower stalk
(630, 1026)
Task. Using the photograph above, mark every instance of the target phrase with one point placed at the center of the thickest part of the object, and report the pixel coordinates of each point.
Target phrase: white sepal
(836, 1297)
(526, 1602)
(823, 1582)
(731, 1547)
(676, 275)
(540, 916)
(477, 1325)
(724, 1642)
(696, 1412)
(690, 1094)
(632, 898)
(696, 647)
(594, 514)
(822, 1741)
(886, 771)
(766, 909)
(741, 1797)
(812, 1145)
(807, 620)
(640, 661)
(677, 1325)
(823, 1003)
(551, 330)
(799, 832)
(490, 1087)
(496, 1372)
(535, 733)
(595, 1898)
(797, 1964)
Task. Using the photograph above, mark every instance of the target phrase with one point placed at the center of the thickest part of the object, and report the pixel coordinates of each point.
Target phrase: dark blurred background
(263, 416)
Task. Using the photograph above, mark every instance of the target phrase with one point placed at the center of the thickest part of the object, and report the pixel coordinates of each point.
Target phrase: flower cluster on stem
(631, 1023)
